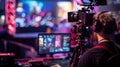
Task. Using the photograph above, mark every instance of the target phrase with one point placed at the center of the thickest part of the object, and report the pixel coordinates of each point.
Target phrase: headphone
(107, 28)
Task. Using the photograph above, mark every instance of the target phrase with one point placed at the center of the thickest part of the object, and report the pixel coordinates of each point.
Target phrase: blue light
(86, 1)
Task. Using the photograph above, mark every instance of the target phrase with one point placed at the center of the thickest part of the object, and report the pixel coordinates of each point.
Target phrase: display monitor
(40, 14)
(36, 13)
(53, 43)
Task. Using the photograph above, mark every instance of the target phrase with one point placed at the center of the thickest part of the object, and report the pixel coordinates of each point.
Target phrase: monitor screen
(36, 13)
(53, 43)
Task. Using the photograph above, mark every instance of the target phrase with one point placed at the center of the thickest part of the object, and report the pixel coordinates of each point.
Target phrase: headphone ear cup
(98, 26)
(110, 27)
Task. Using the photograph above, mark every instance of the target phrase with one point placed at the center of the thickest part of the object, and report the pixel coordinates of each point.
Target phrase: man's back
(95, 57)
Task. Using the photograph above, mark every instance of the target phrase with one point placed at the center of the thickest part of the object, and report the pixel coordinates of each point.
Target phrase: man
(4, 36)
(105, 27)
(8, 43)
(49, 30)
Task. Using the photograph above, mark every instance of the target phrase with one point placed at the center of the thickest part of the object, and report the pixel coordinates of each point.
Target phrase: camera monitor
(53, 43)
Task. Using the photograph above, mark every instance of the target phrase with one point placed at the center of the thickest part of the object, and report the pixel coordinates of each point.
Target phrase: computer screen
(53, 43)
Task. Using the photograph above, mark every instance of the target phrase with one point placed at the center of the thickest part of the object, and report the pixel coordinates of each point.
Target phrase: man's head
(49, 30)
(105, 23)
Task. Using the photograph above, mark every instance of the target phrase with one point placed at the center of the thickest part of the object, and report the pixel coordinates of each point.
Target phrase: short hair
(51, 28)
(106, 23)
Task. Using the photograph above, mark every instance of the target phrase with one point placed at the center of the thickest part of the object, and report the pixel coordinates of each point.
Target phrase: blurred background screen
(35, 13)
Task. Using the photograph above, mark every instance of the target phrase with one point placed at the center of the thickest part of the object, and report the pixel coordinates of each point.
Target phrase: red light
(10, 15)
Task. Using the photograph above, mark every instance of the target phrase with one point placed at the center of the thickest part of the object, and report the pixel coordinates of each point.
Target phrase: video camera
(84, 14)
(81, 16)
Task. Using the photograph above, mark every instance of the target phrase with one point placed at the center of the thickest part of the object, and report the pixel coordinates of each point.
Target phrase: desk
(42, 62)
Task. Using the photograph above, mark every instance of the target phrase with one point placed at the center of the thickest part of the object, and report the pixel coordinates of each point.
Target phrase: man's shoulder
(96, 50)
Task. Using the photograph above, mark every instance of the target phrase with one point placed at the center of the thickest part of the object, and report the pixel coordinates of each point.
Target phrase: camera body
(81, 16)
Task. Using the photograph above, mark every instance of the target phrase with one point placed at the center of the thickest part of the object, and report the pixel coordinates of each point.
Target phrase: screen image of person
(58, 43)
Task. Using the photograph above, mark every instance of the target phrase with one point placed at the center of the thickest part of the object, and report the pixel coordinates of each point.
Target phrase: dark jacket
(95, 57)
